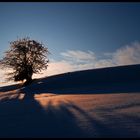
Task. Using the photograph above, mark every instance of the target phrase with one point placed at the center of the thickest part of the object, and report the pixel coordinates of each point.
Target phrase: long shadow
(65, 88)
(27, 118)
(19, 118)
(10, 87)
(100, 128)
(103, 88)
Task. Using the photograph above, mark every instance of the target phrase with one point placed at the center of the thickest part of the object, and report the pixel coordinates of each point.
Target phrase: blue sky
(98, 31)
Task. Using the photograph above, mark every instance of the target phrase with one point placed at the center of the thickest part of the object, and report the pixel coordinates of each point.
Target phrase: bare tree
(25, 57)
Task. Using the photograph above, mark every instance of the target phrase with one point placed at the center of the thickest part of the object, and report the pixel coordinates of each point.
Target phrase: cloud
(129, 54)
(103, 63)
(81, 60)
(3, 77)
(2, 72)
(78, 56)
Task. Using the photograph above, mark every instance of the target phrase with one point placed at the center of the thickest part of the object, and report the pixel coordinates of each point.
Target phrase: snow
(93, 103)
(69, 115)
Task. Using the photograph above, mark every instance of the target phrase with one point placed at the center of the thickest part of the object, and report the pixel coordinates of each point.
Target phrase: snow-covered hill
(93, 103)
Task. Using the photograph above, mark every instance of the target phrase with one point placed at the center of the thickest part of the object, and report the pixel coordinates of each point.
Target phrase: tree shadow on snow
(103, 88)
(28, 118)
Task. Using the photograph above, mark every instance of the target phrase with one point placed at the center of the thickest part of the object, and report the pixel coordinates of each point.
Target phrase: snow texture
(50, 108)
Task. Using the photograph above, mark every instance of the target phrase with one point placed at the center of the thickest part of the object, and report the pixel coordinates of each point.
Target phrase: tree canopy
(25, 57)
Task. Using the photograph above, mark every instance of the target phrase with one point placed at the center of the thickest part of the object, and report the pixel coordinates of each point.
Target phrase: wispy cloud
(80, 60)
(129, 54)
(3, 77)
(79, 56)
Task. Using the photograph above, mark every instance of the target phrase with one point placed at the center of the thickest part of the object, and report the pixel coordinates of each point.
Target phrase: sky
(79, 35)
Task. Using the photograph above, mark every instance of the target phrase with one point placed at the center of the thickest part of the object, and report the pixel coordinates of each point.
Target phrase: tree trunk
(28, 81)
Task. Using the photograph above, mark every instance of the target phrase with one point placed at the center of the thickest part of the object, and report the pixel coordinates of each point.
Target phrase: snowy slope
(88, 115)
(60, 106)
